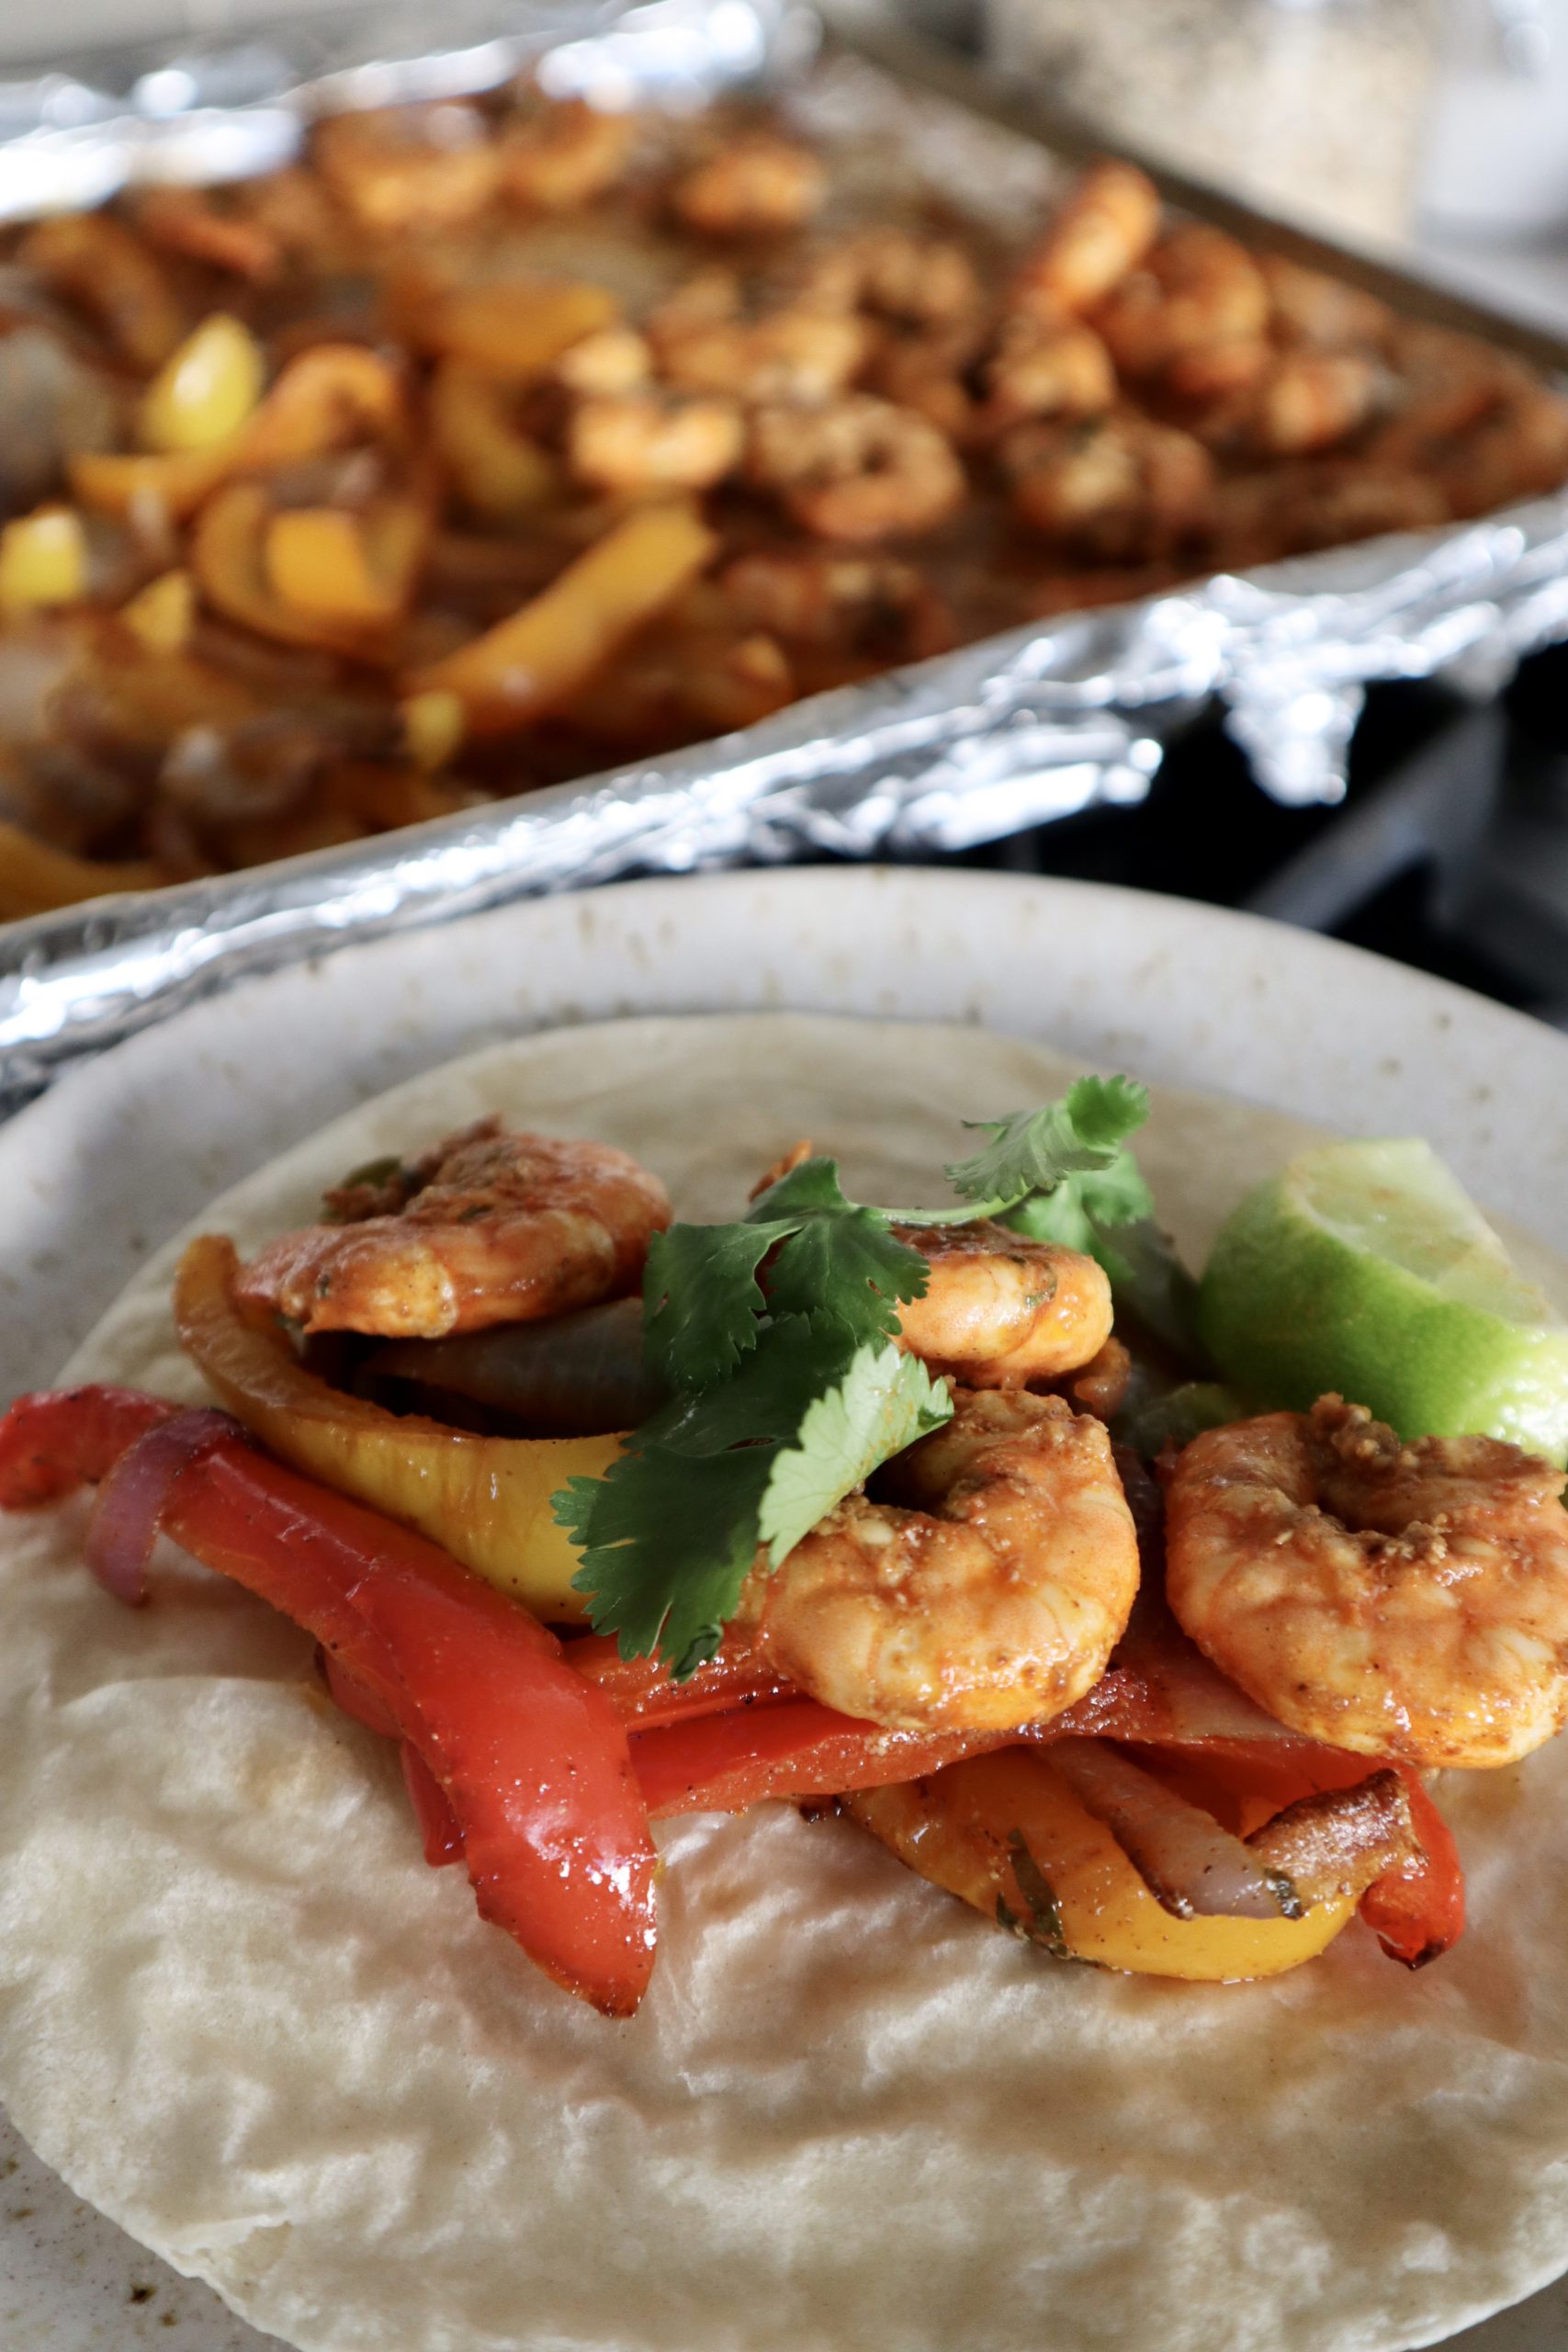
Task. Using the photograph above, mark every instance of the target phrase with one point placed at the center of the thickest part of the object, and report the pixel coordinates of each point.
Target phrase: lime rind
(1365, 1268)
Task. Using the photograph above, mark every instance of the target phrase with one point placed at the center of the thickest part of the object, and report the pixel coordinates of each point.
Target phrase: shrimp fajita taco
(514, 1634)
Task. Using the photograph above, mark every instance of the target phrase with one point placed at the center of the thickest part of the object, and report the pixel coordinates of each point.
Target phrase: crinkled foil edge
(1017, 731)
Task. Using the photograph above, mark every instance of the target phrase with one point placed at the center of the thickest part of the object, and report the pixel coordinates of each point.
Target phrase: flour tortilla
(239, 2014)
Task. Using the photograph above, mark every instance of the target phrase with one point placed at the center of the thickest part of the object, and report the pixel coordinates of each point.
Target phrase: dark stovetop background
(1450, 851)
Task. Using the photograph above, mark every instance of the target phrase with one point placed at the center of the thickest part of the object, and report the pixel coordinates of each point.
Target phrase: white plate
(126, 1149)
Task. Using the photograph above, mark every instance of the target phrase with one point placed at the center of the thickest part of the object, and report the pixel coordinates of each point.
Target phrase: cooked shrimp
(1000, 1309)
(857, 469)
(913, 281)
(1256, 518)
(1301, 401)
(637, 441)
(565, 153)
(611, 359)
(872, 605)
(758, 186)
(1519, 450)
(1407, 1600)
(1120, 488)
(1104, 228)
(990, 1595)
(409, 167)
(1308, 307)
(1197, 286)
(932, 373)
(488, 1226)
(1039, 369)
(192, 222)
(795, 355)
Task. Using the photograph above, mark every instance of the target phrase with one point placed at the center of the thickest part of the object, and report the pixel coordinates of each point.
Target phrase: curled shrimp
(1407, 1600)
(793, 354)
(651, 440)
(989, 1595)
(488, 1226)
(857, 469)
(865, 605)
(1000, 1309)
(1120, 488)
(758, 186)
(398, 168)
(1107, 224)
(1308, 307)
(1301, 401)
(1197, 286)
(1257, 518)
(611, 359)
(1039, 368)
(565, 153)
(893, 275)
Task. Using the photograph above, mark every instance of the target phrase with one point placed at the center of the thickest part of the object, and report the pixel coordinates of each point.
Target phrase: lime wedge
(1365, 1267)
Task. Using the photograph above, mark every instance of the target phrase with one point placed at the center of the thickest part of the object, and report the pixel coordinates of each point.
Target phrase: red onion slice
(130, 1504)
(1191, 1866)
(438, 1824)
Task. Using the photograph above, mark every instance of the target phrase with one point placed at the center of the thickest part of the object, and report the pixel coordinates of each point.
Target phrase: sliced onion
(438, 1824)
(568, 1376)
(130, 1505)
(1337, 1842)
(1190, 1866)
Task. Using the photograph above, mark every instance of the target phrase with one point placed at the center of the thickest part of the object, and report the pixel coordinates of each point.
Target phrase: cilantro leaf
(667, 1540)
(1149, 1281)
(1032, 1151)
(883, 1403)
(773, 1339)
(671, 1531)
(701, 1300)
(1083, 1205)
(841, 1262)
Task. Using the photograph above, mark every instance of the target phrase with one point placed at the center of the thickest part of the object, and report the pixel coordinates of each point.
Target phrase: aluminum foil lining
(1017, 731)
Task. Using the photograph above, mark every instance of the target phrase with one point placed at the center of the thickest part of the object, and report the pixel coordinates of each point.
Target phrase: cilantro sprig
(774, 1338)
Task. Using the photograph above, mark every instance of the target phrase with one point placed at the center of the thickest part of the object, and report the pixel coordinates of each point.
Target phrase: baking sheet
(1022, 729)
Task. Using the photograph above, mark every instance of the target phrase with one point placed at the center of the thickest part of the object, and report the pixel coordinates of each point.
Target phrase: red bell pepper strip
(355, 1697)
(1416, 1914)
(795, 1748)
(438, 1826)
(529, 1754)
(641, 1693)
(59, 1439)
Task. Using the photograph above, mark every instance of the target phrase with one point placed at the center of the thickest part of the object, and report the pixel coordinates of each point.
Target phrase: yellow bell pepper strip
(535, 659)
(497, 471)
(434, 725)
(206, 390)
(1004, 1832)
(43, 560)
(35, 878)
(146, 488)
(355, 568)
(515, 331)
(159, 616)
(96, 261)
(485, 1500)
(227, 555)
